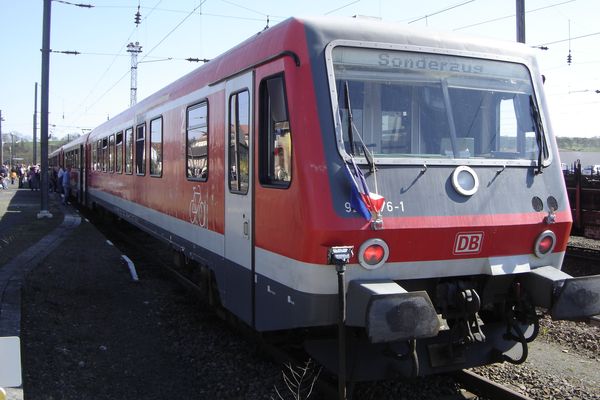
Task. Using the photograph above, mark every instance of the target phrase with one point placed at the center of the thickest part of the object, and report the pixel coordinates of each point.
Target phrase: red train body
(444, 180)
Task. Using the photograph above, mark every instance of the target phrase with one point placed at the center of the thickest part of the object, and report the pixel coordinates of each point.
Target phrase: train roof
(310, 36)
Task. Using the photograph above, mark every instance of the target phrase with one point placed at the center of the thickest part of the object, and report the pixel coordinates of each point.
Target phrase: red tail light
(373, 253)
(545, 244)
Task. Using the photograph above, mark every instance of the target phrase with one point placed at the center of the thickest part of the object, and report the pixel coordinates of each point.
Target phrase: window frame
(203, 103)
(119, 152)
(111, 153)
(236, 148)
(128, 136)
(104, 164)
(151, 143)
(266, 146)
(140, 148)
(547, 158)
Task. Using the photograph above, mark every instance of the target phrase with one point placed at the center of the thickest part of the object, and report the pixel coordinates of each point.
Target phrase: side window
(239, 119)
(275, 148)
(111, 153)
(140, 153)
(104, 154)
(197, 142)
(129, 151)
(99, 155)
(156, 156)
(119, 153)
(94, 156)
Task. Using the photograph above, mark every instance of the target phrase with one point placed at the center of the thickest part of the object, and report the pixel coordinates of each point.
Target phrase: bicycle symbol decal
(198, 209)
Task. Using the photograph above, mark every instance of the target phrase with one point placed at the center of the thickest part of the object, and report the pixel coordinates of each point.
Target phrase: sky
(88, 88)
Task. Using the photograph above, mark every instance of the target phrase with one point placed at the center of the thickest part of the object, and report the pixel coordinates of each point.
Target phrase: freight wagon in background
(403, 185)
(583, 187)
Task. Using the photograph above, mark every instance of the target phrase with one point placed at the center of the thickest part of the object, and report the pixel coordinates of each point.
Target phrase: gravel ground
(153, 340)
(564, 361)
(147, 340)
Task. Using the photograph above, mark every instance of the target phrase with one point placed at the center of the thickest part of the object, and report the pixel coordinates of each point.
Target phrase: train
(394, 195)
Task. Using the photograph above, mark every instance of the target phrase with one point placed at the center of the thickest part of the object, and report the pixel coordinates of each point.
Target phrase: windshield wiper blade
(351, 128)
(539, 133)
(349, 120)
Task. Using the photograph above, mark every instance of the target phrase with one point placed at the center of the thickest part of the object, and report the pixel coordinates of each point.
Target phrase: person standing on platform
(66, 185)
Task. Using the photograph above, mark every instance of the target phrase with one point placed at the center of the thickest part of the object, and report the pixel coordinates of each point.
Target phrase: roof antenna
(267, 27)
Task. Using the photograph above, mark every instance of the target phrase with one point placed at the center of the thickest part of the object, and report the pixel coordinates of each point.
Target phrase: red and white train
(418, 168)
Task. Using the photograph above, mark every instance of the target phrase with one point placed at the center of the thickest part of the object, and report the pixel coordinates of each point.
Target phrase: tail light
(545, 244)
(373, 253)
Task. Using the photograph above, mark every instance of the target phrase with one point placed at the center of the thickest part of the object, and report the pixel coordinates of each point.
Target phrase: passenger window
(239, 130)
(111, 153)
(94, 155)
(140, 150)
(119, 153)
(129, 151)
(104, 154)
(156, 156)
(197, 142)
(99, 155)
(275, 153)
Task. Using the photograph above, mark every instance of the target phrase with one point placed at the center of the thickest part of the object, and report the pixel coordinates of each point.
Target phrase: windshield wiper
(539, 133)
(352, 127)
(350, 119)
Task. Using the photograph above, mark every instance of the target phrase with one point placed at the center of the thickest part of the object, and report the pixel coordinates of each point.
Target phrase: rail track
(583, 253)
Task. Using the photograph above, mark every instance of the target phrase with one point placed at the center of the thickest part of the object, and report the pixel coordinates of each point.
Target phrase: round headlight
(465, 180)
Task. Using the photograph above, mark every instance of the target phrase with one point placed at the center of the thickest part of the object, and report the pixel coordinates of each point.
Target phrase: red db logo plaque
(468, 242)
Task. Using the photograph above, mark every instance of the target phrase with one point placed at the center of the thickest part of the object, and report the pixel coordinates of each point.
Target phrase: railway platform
(25, 240)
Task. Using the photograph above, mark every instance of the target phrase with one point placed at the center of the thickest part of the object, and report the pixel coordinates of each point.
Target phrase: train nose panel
(565, 296)
(390, 313)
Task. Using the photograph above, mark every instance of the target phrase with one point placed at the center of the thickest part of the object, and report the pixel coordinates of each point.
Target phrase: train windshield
(405, 105)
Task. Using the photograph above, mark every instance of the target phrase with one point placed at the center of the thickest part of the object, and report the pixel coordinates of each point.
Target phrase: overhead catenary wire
(570, 39)
(148, 53)
(173, 30)
(344, 6)
(117, 55)
(442, 11)
(511, 15)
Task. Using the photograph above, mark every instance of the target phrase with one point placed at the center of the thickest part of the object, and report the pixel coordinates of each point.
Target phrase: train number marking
(468, 242)
(198, 209)
(388, 206)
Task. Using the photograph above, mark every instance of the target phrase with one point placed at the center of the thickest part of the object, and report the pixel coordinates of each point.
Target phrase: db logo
(468, 242)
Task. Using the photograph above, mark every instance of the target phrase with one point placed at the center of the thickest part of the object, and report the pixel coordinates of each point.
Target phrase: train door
(238, 197)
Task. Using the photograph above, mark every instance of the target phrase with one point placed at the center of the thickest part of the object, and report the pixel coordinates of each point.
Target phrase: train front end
(455, 219)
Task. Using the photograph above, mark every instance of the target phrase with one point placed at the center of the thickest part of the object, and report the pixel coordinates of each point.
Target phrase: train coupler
(460, 305)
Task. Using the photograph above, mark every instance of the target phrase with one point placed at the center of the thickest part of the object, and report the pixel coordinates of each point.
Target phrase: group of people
(59, 178)
(26, 175)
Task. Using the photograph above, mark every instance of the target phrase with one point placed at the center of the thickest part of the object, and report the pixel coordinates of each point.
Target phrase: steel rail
(487, 388)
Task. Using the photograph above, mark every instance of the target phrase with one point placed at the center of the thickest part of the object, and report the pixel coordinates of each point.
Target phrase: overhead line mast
(134, 49)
